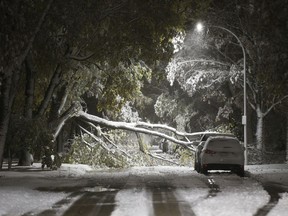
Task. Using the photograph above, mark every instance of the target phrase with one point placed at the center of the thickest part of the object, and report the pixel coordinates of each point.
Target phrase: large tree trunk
(287, 138)
(8, 92)
(259, 129)
(58, 103)
(25, 157)
(58, 124)
(4, 116)
(30, 87)
(49, 93)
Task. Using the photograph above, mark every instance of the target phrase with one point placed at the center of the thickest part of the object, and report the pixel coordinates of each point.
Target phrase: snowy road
(169, 191)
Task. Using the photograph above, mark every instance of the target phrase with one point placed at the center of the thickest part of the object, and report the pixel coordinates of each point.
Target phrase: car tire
(203, 171)
(240, 172)
(196, 166)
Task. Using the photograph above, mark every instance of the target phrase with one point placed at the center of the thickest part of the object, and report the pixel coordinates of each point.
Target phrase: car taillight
(208, 151)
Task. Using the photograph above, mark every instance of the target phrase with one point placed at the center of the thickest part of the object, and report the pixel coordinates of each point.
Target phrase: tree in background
(216, 58)
(263, 36)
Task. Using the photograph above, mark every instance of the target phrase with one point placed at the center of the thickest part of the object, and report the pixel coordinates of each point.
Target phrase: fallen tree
(138, 127)
(94, 124)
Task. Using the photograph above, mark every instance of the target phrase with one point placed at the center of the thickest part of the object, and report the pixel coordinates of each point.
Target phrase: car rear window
(224, 145)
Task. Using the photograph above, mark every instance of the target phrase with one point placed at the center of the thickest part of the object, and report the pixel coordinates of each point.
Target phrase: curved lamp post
(199, 28)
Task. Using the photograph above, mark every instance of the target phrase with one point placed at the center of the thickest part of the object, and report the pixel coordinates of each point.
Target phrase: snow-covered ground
(20, 194)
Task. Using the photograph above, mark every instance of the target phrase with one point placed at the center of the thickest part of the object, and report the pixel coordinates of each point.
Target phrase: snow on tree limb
(100, 133)
(133, 127)
(161, 126)
(96, 139)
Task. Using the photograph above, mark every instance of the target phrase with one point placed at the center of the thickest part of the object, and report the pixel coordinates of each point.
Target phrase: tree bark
(58, 124)
(287, 138)
(4, 118)
(141, 143)
(49, 93)
(25, 157)
(30, 87)
(259, 129)
(8, 92)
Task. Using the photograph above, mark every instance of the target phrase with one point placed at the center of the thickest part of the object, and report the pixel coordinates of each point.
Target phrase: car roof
(222, 138)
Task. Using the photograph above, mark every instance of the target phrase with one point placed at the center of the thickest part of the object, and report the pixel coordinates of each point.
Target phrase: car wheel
(196, 166)
(203, 170)
(241, 172)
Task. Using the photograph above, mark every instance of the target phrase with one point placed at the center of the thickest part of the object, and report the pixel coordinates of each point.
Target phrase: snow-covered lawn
(238, 196)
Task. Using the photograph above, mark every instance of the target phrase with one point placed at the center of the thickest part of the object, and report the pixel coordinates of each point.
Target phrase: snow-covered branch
(161, 126)
(100, 133)
(96, 139)
(203, 60)
(132, 127)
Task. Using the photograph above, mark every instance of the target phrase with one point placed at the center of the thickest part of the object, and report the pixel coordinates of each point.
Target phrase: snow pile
(74, 169)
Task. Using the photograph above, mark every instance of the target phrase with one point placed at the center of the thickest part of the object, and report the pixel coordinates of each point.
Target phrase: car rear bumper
(222, 166)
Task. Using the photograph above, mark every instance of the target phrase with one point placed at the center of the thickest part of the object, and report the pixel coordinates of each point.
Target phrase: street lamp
(199, 28)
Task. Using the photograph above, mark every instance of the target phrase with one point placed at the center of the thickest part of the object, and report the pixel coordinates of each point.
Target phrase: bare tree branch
(108, 140)
(96, 138)
(275, 104)
(100, 133)
(81, 58)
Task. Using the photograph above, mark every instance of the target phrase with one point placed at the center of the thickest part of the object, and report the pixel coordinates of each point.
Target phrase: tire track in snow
(166, 203)
(93, 203)
(274, 191)
(214, 188)
(194, 197)
(82, 201)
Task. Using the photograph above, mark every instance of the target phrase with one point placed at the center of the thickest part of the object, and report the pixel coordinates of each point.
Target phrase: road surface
(162, 192)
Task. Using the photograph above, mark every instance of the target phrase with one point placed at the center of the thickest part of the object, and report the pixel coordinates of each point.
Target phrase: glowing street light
(199, 28)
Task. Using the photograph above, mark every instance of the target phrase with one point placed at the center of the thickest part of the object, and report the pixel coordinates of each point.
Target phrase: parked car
(222, 153)
(200, 143)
